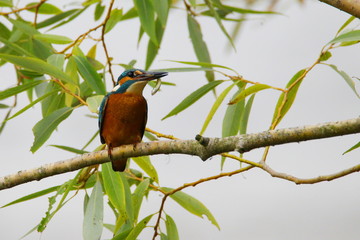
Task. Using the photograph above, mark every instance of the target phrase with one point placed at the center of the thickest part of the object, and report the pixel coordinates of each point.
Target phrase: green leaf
(18, 89)
(346, 24)
(3, 106)
(162, 10)
(245, 115)
(88, 72)
(347, 37)
(37, 65)
(6, 3)
(193, 97)
(69, 149)
(152, 49)
(171, 229)
(114, 188)
(32, 196)
(147, 18)
(138, 228)
(132, 13)
(52, 38)
(291, 94)
(93, 219)
(15, 47)
(325, 56)
(44, 128)
(346, 77)
(206, 65)
(248, 91)
(99, 10)
(115, 17)
(4, 31)
(192, 205)
(145, 164)
(94, 103)
(57, 60)
(56, 18)
(352, 148)
(45, 8)
(32, 104)
(232, 118)
(138, 196)
(246, 11)
(218, 20)
(24, 27)
(215, 107)
(199, 45)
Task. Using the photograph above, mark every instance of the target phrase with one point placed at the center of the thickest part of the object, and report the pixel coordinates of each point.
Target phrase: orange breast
(125, 118)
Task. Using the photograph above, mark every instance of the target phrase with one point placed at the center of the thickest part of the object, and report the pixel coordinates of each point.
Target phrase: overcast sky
(253, 205)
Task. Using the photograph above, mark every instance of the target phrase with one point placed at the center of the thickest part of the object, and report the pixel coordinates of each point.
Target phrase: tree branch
(214, 146)
(350, 6)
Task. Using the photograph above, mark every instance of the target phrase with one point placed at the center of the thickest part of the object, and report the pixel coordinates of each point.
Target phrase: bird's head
(134, 80)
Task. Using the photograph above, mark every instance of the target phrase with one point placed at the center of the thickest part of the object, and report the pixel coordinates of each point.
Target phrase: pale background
(248, 206)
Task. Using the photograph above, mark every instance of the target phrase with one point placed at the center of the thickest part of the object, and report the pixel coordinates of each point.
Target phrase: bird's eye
(131, 74)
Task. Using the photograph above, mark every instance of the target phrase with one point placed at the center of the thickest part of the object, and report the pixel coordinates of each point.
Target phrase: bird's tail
(118, 165)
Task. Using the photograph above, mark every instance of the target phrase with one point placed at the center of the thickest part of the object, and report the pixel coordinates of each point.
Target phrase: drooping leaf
(114, 188)
(93, 218)
(70, 149)
(18, 89)
(37, 65)
(138, 197)
(24, 27)
(15, 47)
(232, 118)
(346, 77)
(56, 18)
(145, 164)
(146, 14)
(199, 45)
(205, 65)
(152, 49)
(171, 229)
(245, 115)
(115, 17)
(162, 10)
(193, 97)
(32, 104)
(52, 38)
(88, 72)
(45, 8)
(4, 31)
(352, 148)
(347, 37)
(99, 10)
(246, 11)
(248, 91)
(218, 20)
(6, 3)
(94, 103)
(57, 60)
(44, 128)
(138, 228)
(192, 205)
(32, 196)
(215, 107)
(284, 104)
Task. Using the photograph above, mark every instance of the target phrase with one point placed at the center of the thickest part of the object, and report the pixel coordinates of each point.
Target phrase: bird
(123, 112)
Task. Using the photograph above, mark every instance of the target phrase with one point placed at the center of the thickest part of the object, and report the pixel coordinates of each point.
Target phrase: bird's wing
(102, 114)
(145, 120)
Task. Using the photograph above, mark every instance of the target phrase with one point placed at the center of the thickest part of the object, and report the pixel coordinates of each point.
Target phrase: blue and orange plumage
(123, 112)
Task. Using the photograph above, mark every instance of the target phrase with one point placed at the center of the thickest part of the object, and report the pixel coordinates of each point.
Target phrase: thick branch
(213, 146)
(350, 6)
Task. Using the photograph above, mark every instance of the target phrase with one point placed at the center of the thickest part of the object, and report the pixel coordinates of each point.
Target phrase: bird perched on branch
(123, 112)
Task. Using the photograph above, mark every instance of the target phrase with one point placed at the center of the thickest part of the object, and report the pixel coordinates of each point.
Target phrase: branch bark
(213, 146)
(350, 6)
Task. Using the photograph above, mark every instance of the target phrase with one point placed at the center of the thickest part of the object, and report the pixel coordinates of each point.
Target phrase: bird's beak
(147, 76)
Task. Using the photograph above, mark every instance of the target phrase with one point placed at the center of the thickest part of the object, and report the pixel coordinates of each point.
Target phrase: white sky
(249, 206)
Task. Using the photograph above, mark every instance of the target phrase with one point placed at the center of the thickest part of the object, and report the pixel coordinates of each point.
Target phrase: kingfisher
(123, 112)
